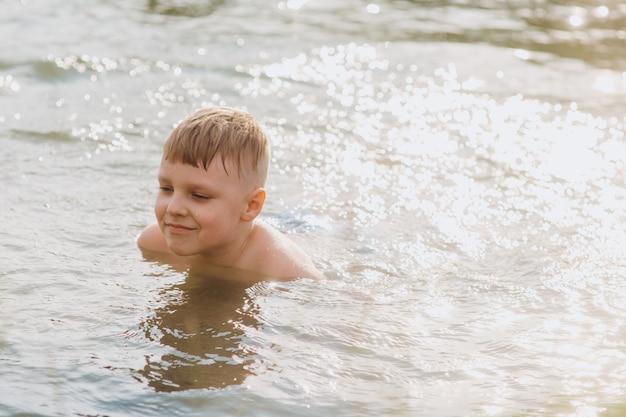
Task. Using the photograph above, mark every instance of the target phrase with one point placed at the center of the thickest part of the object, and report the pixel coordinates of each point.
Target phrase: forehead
(217, 173)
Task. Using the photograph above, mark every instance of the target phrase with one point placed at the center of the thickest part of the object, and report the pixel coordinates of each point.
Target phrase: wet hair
(233, 134)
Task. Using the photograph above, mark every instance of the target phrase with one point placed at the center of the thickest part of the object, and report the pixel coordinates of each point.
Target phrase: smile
(178, 228)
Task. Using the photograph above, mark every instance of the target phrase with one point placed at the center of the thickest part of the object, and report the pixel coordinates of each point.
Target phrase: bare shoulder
(282, 257)
(151, 239)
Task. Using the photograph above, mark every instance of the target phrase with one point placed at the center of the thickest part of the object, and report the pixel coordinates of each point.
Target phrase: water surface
(457, 169)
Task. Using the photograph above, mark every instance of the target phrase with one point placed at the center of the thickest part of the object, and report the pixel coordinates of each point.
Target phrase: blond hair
(233, 134)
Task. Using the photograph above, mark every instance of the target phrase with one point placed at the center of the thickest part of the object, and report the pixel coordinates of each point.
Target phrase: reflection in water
(591, 31)
(200, 321)
(586, 30)
(184, 8)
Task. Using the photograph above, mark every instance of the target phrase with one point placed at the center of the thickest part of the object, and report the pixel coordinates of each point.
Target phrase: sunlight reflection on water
(454, 160)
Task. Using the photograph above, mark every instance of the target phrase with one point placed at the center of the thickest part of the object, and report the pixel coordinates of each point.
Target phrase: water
(457, 168)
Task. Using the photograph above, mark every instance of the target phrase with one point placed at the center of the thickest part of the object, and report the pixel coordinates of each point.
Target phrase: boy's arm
(151, 239)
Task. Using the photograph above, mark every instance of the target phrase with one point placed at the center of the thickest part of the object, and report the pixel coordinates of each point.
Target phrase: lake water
(456, 167)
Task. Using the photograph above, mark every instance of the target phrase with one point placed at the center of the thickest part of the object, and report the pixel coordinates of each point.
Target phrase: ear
(256, 200)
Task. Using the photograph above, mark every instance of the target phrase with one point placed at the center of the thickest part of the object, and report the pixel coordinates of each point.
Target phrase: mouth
(178, 228)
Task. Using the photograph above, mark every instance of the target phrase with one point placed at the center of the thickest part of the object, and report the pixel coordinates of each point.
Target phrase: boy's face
(200, 211)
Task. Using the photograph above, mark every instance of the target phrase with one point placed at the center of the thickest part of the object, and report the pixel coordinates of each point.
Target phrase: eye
(165, 188)
(200, 196)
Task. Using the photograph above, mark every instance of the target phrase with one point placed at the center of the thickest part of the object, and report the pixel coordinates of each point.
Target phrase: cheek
(159, 206)
(211, 220)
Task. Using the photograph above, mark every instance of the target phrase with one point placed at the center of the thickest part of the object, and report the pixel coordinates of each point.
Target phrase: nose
(176, 205)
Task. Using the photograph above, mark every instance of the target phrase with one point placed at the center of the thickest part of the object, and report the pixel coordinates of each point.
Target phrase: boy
(211, 179)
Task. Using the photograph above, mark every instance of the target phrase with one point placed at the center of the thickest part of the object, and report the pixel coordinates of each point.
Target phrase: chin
(181, 251)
